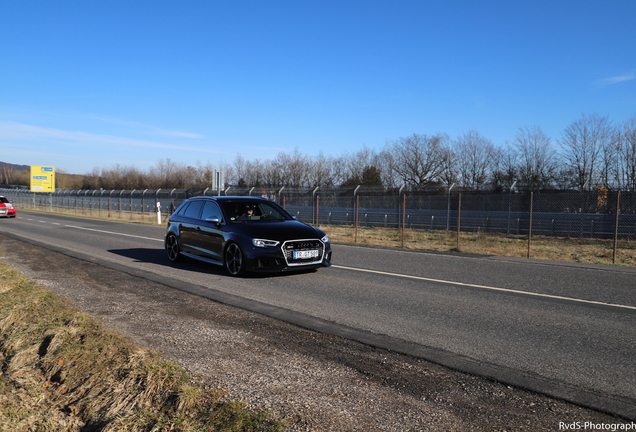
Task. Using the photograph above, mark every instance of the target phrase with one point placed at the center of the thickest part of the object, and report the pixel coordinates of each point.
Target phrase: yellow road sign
(42, 178)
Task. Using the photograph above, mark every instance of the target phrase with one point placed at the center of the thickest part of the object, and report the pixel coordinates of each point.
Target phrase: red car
(6, 208)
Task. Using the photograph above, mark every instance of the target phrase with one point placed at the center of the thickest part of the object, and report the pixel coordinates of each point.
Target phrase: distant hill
(15, 167)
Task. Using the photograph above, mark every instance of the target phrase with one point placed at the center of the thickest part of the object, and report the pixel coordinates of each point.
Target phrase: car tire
(173, 249)
(234, 260)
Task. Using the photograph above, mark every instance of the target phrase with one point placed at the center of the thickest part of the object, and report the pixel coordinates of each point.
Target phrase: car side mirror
(214, 220)
(293, 217)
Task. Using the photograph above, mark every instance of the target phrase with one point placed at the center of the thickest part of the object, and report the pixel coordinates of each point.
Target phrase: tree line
(591, 150)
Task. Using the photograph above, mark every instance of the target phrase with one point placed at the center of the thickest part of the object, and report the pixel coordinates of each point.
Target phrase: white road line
(488, 288)
(54, 223)
(114, 233)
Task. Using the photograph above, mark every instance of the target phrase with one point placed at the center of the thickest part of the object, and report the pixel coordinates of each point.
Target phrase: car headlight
(325, 239)
(265, 243)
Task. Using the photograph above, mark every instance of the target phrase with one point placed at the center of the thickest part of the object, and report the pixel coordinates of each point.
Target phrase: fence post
(111, 192)
(448, 208)
(143, 203)
(459, 218)
(357, 207)
(618, 201)
(403, 217)
(122, 191)
(313, 203)
(131, 203)
(530, 227)
(510, 207)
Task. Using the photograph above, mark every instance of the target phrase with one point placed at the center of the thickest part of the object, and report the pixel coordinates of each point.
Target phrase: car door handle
(198, 228)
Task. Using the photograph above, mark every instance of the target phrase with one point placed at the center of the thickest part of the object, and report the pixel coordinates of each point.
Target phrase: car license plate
(305, 254)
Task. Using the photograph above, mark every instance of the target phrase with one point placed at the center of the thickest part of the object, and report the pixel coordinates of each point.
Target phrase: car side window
(211, 210)
(182, 208)
(194, 209)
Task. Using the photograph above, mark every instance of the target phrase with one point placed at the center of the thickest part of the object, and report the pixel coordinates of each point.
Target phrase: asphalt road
(564, 329)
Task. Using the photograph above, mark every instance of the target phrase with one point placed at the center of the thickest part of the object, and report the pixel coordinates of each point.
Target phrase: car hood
(277, 230)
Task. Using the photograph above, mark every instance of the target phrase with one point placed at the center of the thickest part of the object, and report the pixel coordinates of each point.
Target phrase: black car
(244, 234)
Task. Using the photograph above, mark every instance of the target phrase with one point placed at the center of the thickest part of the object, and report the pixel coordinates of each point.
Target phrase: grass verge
(61, 371)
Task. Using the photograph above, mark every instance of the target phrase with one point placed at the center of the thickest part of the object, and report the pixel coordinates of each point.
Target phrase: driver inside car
(249, 213)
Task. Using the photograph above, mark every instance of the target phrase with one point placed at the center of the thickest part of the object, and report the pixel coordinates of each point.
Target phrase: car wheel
(234, 260)
(173, 249)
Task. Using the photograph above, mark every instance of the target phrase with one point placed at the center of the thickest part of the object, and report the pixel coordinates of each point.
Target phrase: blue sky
(94, 84)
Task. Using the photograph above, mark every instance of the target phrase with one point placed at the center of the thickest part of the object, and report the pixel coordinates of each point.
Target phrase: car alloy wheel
(173, 249)
(234, 262)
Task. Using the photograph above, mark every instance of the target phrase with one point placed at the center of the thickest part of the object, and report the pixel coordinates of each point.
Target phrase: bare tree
(292, 168)
(609, 170)
(386, 162)
(239, 167)
(355, 164)
(228, 170)
(449, 173)
(537, 158)
(91, 180)
(626, 148)
(419, 159)
(319, 171)
(473, 156)
(582, 143)
(505, 167)
(339, 164)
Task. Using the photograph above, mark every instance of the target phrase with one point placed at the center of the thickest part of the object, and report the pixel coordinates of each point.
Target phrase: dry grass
(60, 371)
(542, 247)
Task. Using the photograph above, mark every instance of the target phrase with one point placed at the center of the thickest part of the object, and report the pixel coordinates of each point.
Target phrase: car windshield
(3, 200)
(252, 211)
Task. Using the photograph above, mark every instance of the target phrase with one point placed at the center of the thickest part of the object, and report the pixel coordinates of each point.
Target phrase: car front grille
(300, 247)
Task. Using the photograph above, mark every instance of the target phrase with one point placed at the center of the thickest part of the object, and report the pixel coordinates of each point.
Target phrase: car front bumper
(271, 260)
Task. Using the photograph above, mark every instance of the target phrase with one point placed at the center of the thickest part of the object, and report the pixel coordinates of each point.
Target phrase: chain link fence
(594, 222)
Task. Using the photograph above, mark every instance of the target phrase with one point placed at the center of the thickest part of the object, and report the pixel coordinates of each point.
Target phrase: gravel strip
(314, 382)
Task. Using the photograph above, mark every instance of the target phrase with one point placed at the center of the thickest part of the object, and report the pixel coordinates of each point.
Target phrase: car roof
(231, 198)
